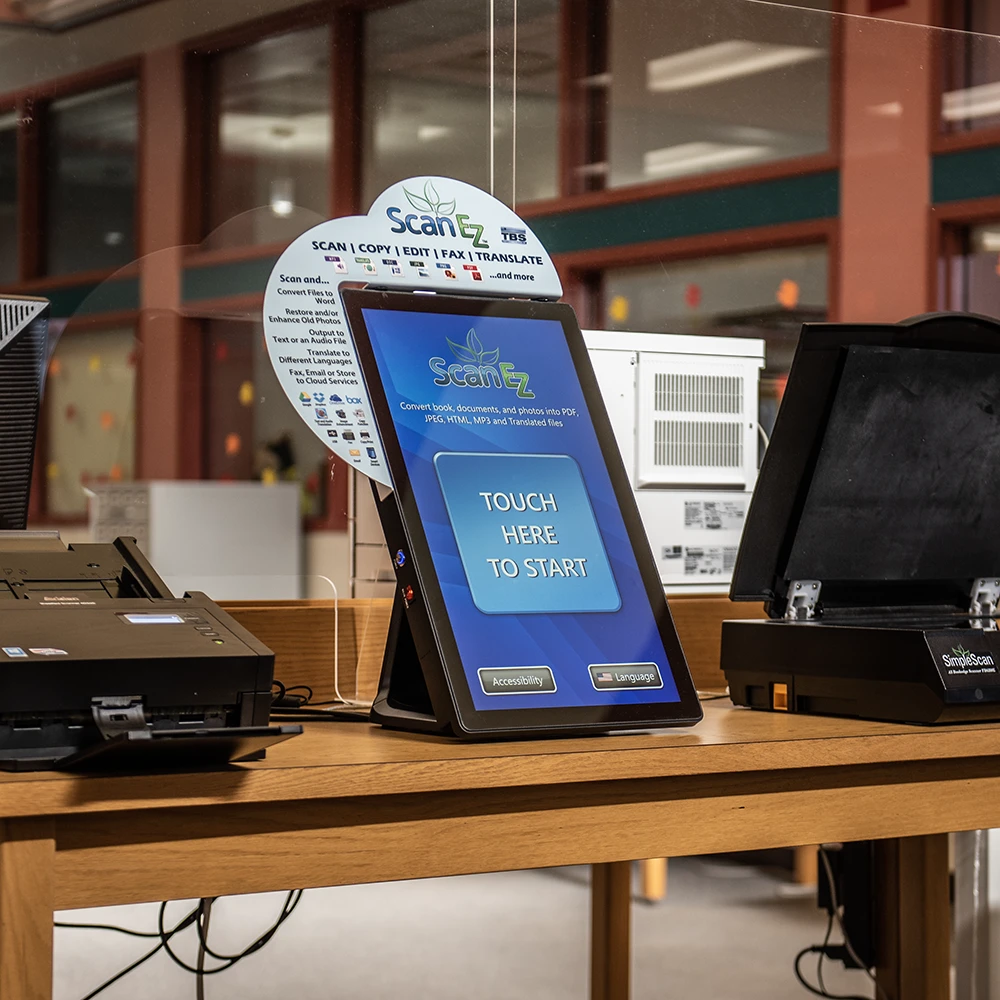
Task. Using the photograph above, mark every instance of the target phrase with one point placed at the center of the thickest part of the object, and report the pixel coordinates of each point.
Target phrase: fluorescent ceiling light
(971, 102)
(891, 109)
(306, 136)
(722, 61)
(988, 240)
(60, 15)
(690, 157)
(428, 133)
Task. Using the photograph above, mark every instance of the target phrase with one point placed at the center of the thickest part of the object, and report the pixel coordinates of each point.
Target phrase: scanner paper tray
(158, 750)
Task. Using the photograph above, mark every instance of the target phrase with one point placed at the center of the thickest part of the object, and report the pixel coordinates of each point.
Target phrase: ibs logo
(435, 218)
(961, 658)
(479, 368)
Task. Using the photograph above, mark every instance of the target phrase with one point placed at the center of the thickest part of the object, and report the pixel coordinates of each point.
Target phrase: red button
(408, 593)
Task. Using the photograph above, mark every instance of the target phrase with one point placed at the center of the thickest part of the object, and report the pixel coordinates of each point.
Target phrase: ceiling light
(302, 136)
(690, 157)
(988, 240)
(971, 102)
(891, 109)
(722, 61)
(60, 15)
(428, 133)
(282, 196)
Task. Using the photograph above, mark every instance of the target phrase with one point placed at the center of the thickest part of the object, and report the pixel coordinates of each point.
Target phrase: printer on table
(872, 535)
(101, 665)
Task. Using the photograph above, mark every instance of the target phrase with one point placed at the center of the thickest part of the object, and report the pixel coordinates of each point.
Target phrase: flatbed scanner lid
(882, 478)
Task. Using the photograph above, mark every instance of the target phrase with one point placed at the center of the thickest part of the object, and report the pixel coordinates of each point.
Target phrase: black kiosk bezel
(423, 685)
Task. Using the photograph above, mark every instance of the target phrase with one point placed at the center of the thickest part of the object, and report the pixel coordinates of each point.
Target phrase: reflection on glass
(971, 97)
(696, 86)
(427, 95)
(91, 179)
(89, 416)
(970, 278)
(273, 137)
(8, 198)
(767, 294)
(252, 430)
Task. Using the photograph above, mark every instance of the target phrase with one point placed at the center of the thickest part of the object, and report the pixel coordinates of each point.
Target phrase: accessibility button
(625, 676)
(517, 680)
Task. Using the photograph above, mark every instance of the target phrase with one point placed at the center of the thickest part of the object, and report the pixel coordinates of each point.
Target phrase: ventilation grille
(21, 366)
(15, 315)
(697, 444)
(680, 392)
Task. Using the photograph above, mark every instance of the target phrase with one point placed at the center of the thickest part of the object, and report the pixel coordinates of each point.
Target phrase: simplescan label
(425, 233)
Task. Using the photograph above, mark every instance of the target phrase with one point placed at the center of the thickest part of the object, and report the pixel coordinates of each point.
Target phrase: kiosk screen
(536, 566)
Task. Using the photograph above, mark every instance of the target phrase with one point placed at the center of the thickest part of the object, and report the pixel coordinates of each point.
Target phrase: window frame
(32, 104)
(950, 14)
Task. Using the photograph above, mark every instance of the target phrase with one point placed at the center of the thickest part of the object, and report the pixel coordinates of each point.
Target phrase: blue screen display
(536, 568)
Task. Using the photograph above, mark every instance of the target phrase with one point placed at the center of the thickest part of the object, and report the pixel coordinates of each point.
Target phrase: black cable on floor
(206, 909)
(108, 927)
(813, 948)
(200, 916)
(185, 922)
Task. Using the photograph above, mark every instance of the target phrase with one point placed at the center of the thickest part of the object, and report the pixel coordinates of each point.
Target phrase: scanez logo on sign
(479, 368)
(436, 218)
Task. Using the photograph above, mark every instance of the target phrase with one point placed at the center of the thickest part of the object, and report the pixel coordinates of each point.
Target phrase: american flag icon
(604, 677)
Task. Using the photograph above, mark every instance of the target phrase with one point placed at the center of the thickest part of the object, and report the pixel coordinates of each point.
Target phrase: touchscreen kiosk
(528, 598)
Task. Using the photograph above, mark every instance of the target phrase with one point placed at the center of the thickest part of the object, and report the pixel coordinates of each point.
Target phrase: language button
(517, 680)
(625, 676)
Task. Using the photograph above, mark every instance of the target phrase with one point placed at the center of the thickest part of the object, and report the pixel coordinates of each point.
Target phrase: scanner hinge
(117, 714)
(803, 596)
(983, 603)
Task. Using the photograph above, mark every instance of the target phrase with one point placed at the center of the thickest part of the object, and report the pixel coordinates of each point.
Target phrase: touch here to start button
(517, 680)
(625, 676)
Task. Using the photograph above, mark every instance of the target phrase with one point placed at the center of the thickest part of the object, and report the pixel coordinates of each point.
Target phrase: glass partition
(971, 69)
(89, 416)
(697, 86)
(270, 135)
(91, 168)
(767, 294)
(9, 254)
(699, 167)
(440, 80)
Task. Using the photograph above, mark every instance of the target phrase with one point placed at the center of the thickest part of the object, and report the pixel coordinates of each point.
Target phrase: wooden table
(346, 803)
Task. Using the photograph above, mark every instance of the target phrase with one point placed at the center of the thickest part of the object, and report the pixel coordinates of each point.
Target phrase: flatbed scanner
(101, 666)
(872, 535)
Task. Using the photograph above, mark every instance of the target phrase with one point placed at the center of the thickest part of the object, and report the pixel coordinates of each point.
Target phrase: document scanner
(872, 535)
(101, 666)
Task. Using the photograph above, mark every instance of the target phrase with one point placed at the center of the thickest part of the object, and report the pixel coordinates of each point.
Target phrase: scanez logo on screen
(479, 368)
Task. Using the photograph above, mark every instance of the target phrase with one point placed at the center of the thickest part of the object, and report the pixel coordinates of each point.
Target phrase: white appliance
(684, 413)
(233, 541)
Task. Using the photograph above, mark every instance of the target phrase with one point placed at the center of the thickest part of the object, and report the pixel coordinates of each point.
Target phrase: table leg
(653, 876)
(27, 861)
(913, 918)
(806, 867)
(610, 930)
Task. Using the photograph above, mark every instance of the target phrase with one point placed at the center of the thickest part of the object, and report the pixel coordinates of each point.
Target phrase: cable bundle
(199, 917)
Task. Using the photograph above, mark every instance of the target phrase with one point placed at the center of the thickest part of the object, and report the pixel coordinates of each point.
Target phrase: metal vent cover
(698, 444)
(691, 392)
(23, 350)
